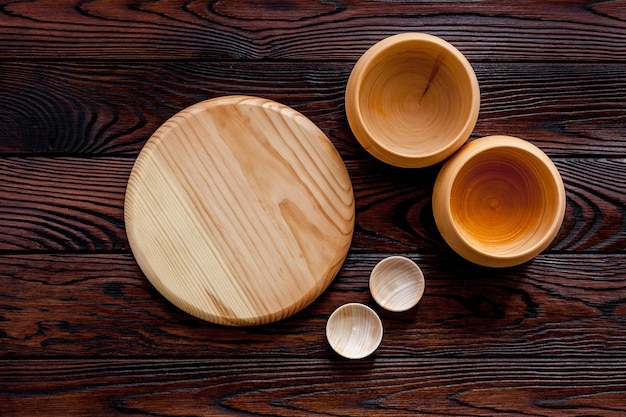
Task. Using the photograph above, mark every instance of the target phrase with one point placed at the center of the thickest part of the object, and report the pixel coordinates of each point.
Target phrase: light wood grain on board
(239, 210)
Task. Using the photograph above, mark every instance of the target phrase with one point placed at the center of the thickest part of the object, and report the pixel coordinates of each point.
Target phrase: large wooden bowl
(499, 201)
(412, 100)
(239, 210)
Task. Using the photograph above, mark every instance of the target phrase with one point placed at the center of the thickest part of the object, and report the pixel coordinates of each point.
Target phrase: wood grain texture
(83, 85)
(62, 204)
(239, 210)
(284, 387)
(100, 305)
(76, 204)
(308, 29)
(105, 109)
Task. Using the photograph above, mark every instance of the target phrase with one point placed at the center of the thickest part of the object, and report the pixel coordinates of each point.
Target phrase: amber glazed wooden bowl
(412, 100)
(499, 201)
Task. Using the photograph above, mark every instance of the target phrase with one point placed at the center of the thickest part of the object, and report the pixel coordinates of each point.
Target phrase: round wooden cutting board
(239, 210)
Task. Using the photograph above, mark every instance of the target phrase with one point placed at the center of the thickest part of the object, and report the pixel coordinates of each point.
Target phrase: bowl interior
(397, 283)
(354, 330)
(504, 201)
(415, 97)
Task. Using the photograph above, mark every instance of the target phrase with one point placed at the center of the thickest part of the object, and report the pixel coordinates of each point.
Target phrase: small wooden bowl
(412, 100)
(354, 331)
(499, 202)
(397, 283)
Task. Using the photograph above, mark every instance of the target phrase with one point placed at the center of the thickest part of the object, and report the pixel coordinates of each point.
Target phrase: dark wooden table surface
(83, 85)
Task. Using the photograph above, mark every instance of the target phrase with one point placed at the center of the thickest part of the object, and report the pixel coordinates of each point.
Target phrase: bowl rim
(362, 131)
(442, 192)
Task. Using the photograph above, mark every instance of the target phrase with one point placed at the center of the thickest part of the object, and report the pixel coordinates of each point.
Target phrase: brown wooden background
(83, 84)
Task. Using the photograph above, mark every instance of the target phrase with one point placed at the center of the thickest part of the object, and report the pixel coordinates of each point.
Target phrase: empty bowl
(412, 100)
(499, 201)
(354, 331)
(397, 283)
